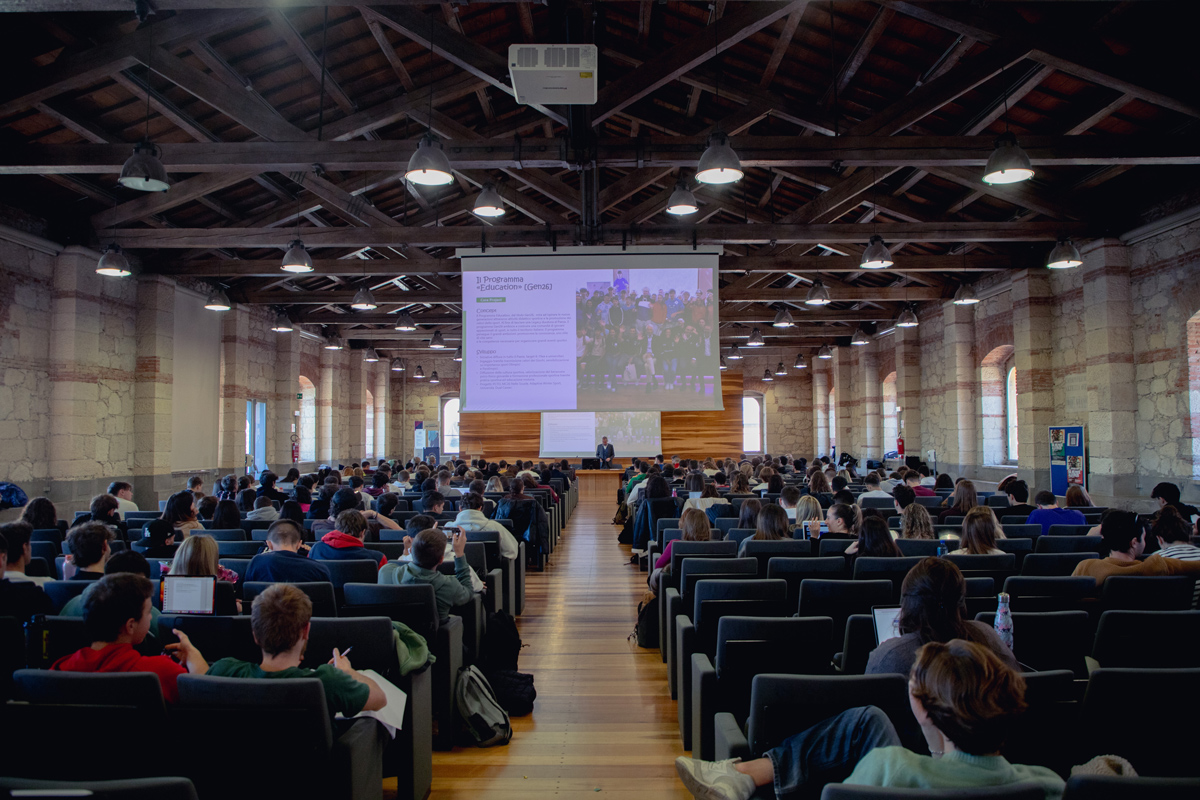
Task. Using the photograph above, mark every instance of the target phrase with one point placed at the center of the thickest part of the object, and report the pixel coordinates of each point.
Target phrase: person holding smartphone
(428, 552)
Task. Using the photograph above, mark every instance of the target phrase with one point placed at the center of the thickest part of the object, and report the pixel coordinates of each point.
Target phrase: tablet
(887, 622)
(182, 594)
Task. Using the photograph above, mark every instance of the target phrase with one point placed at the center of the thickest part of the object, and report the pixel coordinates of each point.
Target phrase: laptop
(694, 495)
(887, 622)
(182, 594)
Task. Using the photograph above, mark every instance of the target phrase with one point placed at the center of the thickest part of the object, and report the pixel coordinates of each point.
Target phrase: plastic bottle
(941, 549)
(1004, 621)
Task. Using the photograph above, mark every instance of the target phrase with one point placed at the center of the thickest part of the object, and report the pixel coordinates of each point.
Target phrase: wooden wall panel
(691, 434)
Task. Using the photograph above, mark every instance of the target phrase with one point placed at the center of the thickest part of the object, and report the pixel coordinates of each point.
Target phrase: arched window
(889, 413)
(308, 420)
(1010, 405)
(752, 424)
(369, 404)
(994, 405)
(450, 420)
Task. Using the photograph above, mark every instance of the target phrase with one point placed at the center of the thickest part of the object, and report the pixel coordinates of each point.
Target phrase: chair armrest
(669, 605)
(704, 705)
(680, 655)
(449, 652)
(729, 740)
(358, 760)
(494, 598)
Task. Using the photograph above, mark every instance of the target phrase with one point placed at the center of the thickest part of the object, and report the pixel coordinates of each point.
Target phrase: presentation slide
(590, 329)
(572, 434)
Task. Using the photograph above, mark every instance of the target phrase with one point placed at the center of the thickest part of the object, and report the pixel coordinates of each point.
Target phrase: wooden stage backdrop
(690, 434)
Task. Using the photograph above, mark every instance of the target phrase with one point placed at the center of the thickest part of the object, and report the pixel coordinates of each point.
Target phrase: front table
(599, 484)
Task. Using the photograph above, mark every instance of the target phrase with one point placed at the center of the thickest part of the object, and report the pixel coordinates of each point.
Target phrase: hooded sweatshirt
(121, 657)
(338, 546)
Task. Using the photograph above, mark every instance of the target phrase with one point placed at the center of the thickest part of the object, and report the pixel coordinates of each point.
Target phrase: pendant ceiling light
(1065, 255)
(370, 356)
(734, 353)
(965, 296)
(434, 378)
(488, 202)
(877, 255)
(724, 366)
(404, 322)
(780, 369)
(1008, 163)
(397, 365)
(682, 201)
(217, 300)
(437, 342)
(859, 339)
(364, 300)
(420, 373)
(825, 352)
(767, 375)
(719, 164)
(458, 355)
(143, 170)
(907, 318)
(783, 319)
(429, 166)
(818, 295)
(113, 263)
(333, 342)
(801, 362)
(755, 339)
(282, 324)
(297, 259)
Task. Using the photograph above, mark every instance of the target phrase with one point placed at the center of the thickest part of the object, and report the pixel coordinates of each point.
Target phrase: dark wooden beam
(781, 45)
(858, 55)
(295, 42)
(848, 295)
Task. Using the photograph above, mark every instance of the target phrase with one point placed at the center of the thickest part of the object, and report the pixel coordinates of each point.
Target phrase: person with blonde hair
(739, 483)
(980, 530)
(199, 556)
(809, 516)
(915, 523)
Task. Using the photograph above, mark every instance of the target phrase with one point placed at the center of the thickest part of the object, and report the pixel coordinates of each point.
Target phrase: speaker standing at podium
(604, 452)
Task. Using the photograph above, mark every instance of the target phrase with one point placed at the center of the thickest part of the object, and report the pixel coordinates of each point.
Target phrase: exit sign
(299, 395)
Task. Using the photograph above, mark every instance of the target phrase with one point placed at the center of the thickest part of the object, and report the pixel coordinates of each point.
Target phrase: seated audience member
(818, 483)
(494, 485)
(89, 549)
(284, 561)
(344, 499)
(872, 484)
(124, 494)
(1048, 513)
(789, 498)
(195, 484)
(379, 484)
(837, 483)
(434, 502)
(245, 500)
(267, 489)
(772, 524)
(927, 478)
(289, 481)
(842, 522)
(1126, 540)
(385, 506)
(117, 613)
(125, 561)
(962, 501)
(748, 513)
(264, 510)
(943, 481)
(1173, 533)
(19, 551)
(1018, 500)
(181, 513)
(1167, 494)
(693, 527)
(346, 541)
(207, 507)
(444, 487)
(739, 484)
(874, 540)
(40, 513)
(293, 511)
(708, 494)
(302, 496)
(103, 509)
(913, 480)
(531, 482)
(321, 504)
(903, 496)
(226, 517)
(471, 518)
(980, 530)
(200, 557)
(1077, 497)
(19, 598)
(158, 540)
(280, 619)
(809, 515)
(844, 496)
(915, 523)
(966, 699)
(428, 551)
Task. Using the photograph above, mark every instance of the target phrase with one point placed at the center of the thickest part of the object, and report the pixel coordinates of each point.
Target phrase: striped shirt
(1184, 552)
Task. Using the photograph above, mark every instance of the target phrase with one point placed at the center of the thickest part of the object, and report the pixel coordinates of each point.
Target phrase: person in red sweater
(913, 480)
(117, 614)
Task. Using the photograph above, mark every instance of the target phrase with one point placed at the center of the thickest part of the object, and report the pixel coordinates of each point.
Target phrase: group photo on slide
(646, 331)
(635, 432)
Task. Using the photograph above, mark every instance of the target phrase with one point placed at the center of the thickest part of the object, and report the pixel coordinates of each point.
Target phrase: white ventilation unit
(553, 74)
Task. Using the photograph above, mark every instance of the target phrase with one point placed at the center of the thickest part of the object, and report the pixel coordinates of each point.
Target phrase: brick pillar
(1112, 392)
(356, 408)
(235, 377)
(153, 391)
(283, 406)
(820, 388)
(383, 423)
(842, 381)
(327, 438)
(1033, 343)
(908, 388)
(872, 402)
(961, 375)
(397, 416)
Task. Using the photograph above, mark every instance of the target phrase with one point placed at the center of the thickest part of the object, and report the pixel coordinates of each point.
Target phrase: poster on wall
(1057, 446)
(1068, 458)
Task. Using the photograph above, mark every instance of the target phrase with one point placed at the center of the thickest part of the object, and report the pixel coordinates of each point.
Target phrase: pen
(347, 650)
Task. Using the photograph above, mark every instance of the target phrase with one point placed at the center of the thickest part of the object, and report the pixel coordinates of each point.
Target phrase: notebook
(182, 594)
(887, 622)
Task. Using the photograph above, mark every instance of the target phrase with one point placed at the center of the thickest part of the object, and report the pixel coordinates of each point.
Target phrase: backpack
(12, 496)
(514, 690)
(485, 721)
(501, 643)
(645, 632)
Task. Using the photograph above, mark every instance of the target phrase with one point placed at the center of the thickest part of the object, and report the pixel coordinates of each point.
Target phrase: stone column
(1033, 350)
(356, 408)
(843, 398)
(383, 422)
(1112, 390)
(327, 441)
(284, 406)
(872, 403)
(908, 389)
(961, 375)
(153, 391)
(398, 418)
(235, 377)
(820, 388)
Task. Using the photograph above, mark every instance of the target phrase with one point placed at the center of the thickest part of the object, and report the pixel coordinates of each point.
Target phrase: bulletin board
(1068, 457)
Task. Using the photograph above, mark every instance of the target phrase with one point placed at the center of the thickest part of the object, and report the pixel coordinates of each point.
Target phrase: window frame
(758, 399)
(444, 401)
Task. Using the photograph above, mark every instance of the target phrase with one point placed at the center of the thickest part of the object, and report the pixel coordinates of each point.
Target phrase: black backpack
(501, 643)
(646, 630)
(514, 691)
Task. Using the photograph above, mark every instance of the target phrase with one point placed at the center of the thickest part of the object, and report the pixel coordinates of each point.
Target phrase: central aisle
(603, 719)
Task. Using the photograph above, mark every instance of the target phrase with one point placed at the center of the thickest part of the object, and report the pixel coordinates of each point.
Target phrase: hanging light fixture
(780, 369)
(434, 378)
(783, 319)
(370, 356)
(488, 202)
(859, 339)
(333, 342)
(965, 296)
(437, 342)
(767, 375)
(724, 366)
(1008, 163)
(143, 170)
(877, 255)
(404, 322)
(801, 362)
(734, 353)
(755, 339)
(682, 201)
(907, 318)
(719, 164)
(429, 165)
(420, 373)
(113, 263)
(457, 355)
(1065, 255)
(818, 295)
(217, 300)
(397, 365)
(282, 324)
(364, 300)
(297, 259)
(825, 352)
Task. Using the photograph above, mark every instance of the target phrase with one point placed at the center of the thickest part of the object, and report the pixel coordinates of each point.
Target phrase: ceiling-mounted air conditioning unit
(553, 74)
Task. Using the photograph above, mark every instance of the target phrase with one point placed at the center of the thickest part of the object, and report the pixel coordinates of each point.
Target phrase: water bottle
(1004, 622)
(941, 549)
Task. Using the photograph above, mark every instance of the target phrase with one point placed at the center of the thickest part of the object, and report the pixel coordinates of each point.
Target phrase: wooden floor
(604, 724)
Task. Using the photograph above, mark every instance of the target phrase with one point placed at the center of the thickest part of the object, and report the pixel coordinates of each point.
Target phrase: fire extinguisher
(295, 450)
(900, 446)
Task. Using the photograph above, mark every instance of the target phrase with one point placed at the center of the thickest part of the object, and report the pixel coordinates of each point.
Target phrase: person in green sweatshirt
(428, 551)
(965, 699)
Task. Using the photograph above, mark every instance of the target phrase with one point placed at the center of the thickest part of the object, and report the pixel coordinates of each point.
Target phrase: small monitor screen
(186, 595)
(887, 623)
